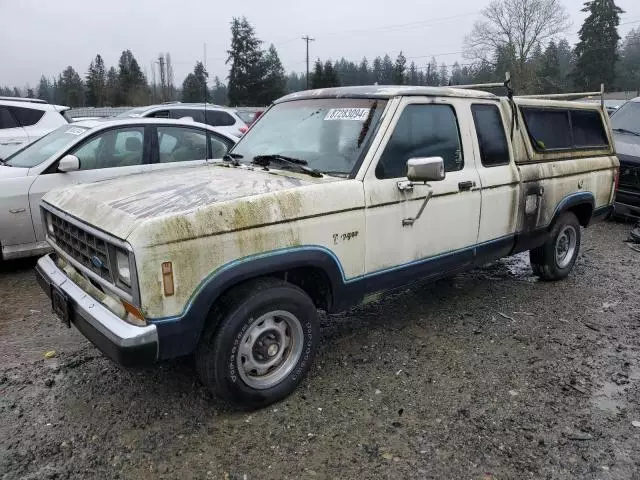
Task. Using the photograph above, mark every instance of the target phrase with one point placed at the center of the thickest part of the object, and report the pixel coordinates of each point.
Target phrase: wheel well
(583, 212)
(314, 281)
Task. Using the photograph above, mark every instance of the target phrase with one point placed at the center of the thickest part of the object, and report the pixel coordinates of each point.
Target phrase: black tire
(223, 356)
(547, 261)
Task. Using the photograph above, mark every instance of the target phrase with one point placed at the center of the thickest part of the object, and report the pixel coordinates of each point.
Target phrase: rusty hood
(180, 203)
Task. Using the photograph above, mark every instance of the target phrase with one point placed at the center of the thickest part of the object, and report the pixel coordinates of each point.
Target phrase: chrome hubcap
(270, 349)
(566, 246)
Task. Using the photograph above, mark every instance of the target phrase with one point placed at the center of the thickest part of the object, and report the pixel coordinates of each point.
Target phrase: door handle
(467, 185)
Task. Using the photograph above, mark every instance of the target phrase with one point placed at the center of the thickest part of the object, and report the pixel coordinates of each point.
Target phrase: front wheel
(261, 343)
(555, 259)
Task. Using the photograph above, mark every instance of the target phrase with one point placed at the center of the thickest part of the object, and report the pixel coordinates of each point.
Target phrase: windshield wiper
(624, 130)
(294, 163)
(233, 158)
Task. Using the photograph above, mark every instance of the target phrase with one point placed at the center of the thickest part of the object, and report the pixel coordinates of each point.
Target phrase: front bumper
(124, 343)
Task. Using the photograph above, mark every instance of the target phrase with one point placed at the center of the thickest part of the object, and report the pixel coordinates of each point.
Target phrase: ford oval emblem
(97, 262)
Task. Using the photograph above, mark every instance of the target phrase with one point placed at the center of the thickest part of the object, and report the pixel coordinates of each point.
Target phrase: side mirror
(69, 163)
(425, 169)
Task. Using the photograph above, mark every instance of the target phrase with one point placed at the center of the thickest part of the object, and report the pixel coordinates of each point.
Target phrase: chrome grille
(87, 249)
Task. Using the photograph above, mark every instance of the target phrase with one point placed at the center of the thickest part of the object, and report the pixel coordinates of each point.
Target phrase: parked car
(249, 115)
(626, 130)
(225, 119)
(23, 120)
(333, 197)
(89, 151)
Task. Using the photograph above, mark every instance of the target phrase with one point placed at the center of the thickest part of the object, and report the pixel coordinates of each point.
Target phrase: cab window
(422, 131)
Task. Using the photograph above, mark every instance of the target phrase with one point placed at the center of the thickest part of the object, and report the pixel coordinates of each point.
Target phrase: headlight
(124, 272)
(49, 221)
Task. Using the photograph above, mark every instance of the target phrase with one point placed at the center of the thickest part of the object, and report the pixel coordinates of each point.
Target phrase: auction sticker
(358, 114)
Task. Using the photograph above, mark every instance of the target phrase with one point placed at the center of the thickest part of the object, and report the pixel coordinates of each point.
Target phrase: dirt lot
(490, 374)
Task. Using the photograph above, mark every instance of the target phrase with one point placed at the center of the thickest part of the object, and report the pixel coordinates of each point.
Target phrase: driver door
(109, 154)
(444, 237)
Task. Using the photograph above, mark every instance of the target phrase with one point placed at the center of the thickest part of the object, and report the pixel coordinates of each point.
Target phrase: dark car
(626, 128)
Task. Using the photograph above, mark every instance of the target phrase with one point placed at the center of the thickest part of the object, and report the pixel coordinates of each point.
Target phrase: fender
(528, 240)
(573, 200)
(179, 335)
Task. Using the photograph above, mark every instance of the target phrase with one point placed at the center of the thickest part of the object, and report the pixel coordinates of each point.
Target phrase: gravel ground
(489, 374)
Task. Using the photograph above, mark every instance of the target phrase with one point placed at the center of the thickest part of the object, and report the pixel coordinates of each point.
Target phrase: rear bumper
(124, 343)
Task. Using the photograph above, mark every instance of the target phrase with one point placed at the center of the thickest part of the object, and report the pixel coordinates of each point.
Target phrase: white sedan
(90, 151)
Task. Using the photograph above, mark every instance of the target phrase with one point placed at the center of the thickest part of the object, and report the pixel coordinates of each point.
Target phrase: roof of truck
(385, 92)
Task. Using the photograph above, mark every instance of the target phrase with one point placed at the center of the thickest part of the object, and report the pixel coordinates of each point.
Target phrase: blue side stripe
(326, 250)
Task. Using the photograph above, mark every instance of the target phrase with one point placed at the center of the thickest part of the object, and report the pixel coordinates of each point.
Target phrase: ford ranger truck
(334, 196)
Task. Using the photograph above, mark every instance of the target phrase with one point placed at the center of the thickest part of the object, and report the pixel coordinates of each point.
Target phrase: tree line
(523, 37)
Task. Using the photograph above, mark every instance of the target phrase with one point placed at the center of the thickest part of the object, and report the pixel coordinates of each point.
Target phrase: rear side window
(491, 136)
(27, 116)
(197, 115)
(587, 129)
(216, 118)
(560, 129)
(6, 119)
(159, 114)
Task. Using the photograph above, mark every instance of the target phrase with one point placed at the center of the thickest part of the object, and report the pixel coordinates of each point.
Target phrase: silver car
(225, 119)
(90, 151)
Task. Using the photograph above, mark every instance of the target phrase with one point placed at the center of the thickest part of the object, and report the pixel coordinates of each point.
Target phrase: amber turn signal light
(167, 279)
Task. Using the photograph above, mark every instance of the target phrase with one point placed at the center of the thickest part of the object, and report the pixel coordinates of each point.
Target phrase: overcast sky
(43, 36)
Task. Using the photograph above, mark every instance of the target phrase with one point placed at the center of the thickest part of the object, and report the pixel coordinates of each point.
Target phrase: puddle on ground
(610, 397)
(515, 266)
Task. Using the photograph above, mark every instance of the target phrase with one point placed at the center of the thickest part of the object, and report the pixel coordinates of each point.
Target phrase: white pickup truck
(332, 196)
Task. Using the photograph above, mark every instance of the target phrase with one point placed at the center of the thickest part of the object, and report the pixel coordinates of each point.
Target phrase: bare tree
(516, 25)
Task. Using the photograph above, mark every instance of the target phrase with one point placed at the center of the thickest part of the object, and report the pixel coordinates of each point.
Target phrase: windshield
(134, 112)
(37, 152)
(328, 134)
(627, 117)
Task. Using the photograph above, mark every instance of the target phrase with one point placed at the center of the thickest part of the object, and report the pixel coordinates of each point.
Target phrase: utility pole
(308, 39)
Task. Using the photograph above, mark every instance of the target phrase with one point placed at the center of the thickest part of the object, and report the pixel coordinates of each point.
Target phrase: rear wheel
(260, 344)
(555, 259)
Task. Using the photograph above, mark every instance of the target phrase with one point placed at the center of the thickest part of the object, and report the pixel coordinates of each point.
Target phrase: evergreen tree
(596, 52)
(45, 90)
(443, 75)
(246, 71)
(317, 77)
(16, 92)
(112, 88)
(194, 86)
(387, 71)
(219, 92)
(364, 74)
(549, 71)
(413, 74)
(629, 64)
(330, 76)
(431, 76)
(274, 81)
(456, 75)
(30, 92)
(71, 88)
(131, 81)
(566, 64)
(399, 69)
(96, 81)
(377, 71)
